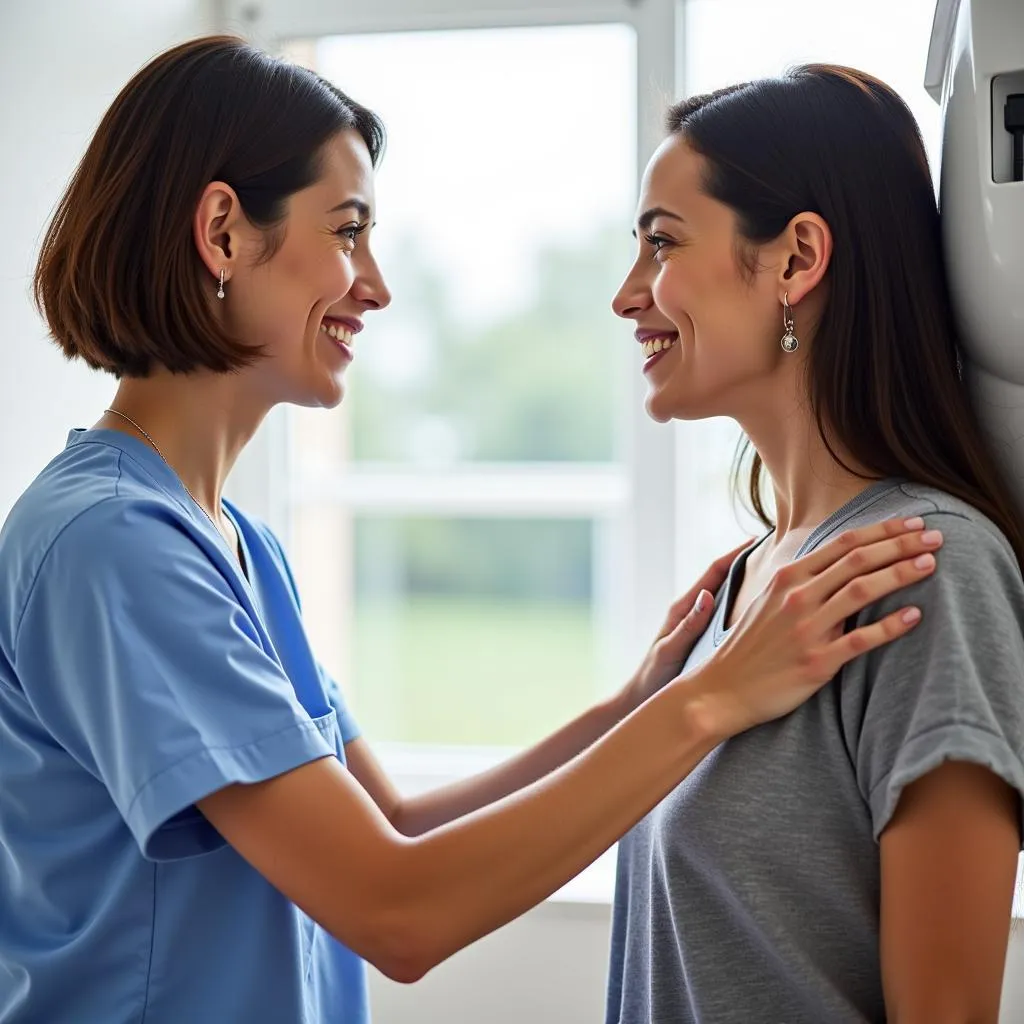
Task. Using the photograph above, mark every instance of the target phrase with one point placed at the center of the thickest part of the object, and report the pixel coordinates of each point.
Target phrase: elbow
(403, 952)
(401, 934)
(401, 823)
(402, 969)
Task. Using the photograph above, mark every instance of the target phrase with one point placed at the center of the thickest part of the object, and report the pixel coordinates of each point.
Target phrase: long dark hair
(884, 370)
(119, 279)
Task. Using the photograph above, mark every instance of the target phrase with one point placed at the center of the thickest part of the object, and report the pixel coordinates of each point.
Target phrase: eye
(349, 233)
(657, 242)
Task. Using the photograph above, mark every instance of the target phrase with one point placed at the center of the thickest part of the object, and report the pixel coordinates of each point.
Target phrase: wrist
(702, 705)
(680, 724)
(620, 704)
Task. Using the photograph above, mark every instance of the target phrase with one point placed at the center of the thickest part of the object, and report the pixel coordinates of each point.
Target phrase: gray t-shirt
(751, 892)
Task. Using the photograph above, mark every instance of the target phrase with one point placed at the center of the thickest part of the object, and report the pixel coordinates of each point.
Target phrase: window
(465, 498)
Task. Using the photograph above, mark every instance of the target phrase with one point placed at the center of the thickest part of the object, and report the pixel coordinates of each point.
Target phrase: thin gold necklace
(156, 448)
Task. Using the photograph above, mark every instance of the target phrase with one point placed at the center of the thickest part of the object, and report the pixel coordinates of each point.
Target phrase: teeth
(653, 345)
(341, 334)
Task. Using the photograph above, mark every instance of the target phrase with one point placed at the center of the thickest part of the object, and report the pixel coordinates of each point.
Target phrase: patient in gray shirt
(750, 894)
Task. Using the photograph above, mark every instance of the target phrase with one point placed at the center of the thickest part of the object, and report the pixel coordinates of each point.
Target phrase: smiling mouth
(337, 332)
(652, 346)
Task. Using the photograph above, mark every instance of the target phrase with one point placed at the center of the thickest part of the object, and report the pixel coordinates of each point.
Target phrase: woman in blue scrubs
(191, 827)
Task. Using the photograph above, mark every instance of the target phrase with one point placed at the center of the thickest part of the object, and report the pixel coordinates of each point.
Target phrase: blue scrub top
(140, 670)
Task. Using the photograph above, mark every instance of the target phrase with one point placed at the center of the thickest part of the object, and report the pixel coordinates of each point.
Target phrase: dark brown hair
(119, 280)
(884, 370)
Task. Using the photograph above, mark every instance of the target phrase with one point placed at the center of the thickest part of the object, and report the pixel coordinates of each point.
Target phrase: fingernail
(915, 523)
(699, 606)
(924, 561)
(931, 537)
(911, 615)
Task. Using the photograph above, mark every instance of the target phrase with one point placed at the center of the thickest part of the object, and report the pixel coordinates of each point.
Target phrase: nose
(368, 288)
(633, 297)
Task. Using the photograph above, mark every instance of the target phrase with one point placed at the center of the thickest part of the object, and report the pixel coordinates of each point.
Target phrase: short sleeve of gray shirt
(953, 689)
(752, 892)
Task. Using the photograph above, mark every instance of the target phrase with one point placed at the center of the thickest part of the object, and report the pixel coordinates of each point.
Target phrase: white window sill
(416, 769)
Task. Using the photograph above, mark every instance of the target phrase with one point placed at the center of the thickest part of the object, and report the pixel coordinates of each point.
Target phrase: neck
(200, 422)
(809, 482)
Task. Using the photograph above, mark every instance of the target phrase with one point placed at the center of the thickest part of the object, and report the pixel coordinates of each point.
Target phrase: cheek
(691, 277)
(690, 296)
(673, 292)
(707, 294)
(329, 277)
(339, 276)
(315, 273)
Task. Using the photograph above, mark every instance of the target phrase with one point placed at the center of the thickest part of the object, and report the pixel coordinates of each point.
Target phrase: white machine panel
(975, 68)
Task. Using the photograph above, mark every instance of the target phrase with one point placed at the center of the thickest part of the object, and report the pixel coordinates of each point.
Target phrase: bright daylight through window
(504, 207)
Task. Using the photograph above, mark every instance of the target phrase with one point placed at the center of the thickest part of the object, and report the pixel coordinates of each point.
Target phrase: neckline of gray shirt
(856, 504)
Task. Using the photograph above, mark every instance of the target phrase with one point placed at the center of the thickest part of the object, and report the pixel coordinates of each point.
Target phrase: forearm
(419, 814)
(465, 879)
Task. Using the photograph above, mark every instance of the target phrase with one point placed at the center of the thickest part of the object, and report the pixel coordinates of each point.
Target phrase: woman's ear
(216, 228)
(809, 244)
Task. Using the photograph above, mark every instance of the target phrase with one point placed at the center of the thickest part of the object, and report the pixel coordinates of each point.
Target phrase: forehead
(346, 167)
(675, 170)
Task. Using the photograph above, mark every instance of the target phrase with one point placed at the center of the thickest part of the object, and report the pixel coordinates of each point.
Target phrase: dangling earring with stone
(789, 339)
(220, 287)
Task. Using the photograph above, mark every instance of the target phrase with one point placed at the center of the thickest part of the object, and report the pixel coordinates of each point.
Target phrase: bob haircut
(119, 281)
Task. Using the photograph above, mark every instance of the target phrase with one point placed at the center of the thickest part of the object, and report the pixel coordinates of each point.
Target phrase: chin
(331, 399)
(327, 385)
(317, 395)
(656, 410)
(663, 408)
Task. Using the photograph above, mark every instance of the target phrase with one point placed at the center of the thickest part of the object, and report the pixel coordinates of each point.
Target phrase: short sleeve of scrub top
(153, 670)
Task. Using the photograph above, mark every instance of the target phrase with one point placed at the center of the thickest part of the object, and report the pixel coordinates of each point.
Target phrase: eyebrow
(647, 218)
(356, 204)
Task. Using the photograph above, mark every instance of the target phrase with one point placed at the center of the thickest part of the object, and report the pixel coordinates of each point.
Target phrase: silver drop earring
(220, 287)
(789, 339)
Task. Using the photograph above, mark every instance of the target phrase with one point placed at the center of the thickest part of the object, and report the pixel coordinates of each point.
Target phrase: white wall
(549, 967)
(61, 64)
(1013, 982)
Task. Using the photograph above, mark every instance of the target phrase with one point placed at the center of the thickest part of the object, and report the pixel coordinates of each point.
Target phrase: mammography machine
(975, 70)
